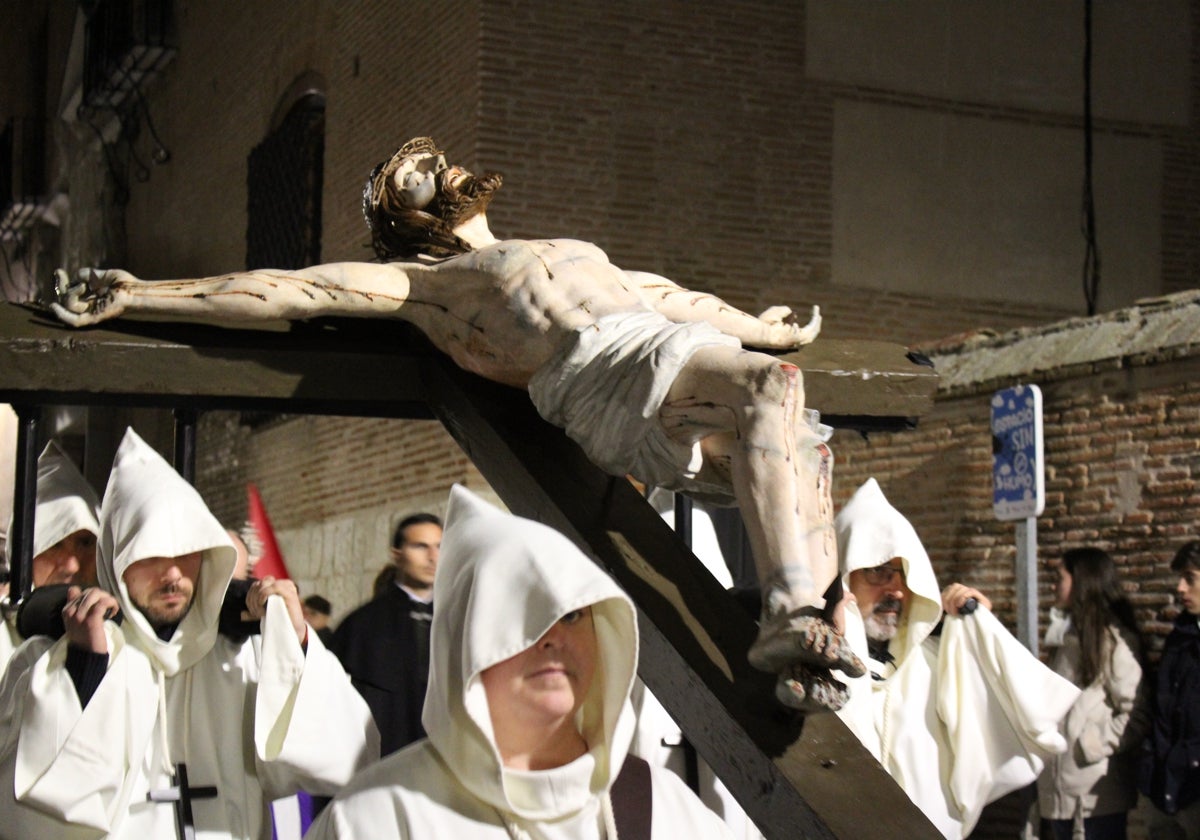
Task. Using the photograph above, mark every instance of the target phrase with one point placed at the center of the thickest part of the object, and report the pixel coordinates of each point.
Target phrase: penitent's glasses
(881, 575)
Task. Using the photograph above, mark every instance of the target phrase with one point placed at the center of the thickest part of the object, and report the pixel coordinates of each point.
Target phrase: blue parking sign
(1018, 474)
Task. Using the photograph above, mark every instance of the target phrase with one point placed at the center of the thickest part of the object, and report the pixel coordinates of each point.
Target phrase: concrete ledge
(1152, 330)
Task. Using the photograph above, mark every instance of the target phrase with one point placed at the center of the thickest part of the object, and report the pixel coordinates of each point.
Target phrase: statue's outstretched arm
(778, 328)
(351, 289)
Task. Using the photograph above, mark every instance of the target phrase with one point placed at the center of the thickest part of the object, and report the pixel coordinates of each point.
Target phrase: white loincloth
(604, 387)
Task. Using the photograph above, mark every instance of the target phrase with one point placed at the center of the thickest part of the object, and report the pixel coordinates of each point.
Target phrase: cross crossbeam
(181, 794)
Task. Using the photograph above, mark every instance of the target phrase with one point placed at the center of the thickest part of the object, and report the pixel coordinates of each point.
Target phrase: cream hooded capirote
(958, 721)
(66, 503)
(501, 583)
(258, 719)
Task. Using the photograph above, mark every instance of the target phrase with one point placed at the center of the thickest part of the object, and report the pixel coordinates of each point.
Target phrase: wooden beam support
(369, 370)
(353, 367)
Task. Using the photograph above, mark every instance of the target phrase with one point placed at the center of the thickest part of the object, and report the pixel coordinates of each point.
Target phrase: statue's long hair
(400, 232)
(1096, 604)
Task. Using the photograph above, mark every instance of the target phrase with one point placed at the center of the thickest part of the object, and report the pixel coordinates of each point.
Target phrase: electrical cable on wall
(1091, 258)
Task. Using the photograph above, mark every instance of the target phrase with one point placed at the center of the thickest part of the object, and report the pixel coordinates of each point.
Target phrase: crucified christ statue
(650, 379)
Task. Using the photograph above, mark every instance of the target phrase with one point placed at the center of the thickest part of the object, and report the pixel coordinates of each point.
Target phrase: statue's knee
(778, 383)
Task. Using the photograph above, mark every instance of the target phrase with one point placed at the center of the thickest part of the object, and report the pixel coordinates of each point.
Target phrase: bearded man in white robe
(110, 730)
(64, 534)
(960, 719)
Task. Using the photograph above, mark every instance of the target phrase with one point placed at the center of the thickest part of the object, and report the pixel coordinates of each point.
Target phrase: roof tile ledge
(1151, 330)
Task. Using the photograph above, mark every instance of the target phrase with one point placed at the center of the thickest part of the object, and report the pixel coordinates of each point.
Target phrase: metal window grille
(125, 43)
(285, 174)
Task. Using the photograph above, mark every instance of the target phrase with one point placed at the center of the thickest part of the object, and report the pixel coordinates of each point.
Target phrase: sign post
(1019, 490)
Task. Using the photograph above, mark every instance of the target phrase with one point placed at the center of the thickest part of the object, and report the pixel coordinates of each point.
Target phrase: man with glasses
(958, 719)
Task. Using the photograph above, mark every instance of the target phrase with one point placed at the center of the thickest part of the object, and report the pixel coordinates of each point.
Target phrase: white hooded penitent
(66, 503)
(501, 583)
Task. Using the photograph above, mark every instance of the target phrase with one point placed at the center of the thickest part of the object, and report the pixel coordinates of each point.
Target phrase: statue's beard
(400, 231)
(470, 196)
(884, 621)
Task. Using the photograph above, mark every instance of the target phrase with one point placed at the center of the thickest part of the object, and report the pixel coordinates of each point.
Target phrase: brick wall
(396, 70)
(1181, 188)
(692, 145)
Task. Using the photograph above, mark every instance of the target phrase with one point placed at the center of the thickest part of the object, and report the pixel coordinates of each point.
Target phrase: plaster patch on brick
(1127, 497)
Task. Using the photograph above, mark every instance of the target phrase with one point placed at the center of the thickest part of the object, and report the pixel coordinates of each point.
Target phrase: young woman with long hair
(1094, 642)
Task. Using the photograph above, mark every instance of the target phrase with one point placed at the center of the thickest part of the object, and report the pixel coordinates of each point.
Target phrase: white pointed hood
(501, 583)
(66, 503)
(871, 532)
(150, 511)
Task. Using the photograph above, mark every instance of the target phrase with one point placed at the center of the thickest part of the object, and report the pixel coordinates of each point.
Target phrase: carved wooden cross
(182, 795)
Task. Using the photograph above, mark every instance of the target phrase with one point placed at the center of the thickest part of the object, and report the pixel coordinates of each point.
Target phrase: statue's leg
(745, 409)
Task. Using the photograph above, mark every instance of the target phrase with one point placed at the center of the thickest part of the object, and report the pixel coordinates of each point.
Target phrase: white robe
(258, 719)
(957, 723)
(10, 640)
(502, 582)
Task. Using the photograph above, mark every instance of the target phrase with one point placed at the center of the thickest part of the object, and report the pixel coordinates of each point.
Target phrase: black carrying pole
(24, 502)
(185, 444)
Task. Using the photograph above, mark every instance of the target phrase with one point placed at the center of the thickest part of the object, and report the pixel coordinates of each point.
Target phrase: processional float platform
(795, 777)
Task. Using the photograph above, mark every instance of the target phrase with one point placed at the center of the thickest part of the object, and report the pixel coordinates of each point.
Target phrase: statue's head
(413, 201)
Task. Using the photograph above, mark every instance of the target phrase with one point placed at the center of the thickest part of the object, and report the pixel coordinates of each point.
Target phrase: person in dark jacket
(384, 644)
(317, 611)
(1170, 772)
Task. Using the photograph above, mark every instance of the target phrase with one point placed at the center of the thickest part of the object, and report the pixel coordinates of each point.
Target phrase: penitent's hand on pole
(957, 599)
(84, 616)
(95, 296)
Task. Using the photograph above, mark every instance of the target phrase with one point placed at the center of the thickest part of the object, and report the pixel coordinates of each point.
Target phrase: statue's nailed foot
(810, 690)
(803, 637)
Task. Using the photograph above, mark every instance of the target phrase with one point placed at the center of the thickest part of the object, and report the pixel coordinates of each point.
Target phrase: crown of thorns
(376, 183)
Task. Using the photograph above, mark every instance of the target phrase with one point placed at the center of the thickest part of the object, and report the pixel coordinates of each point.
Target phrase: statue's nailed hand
(95, 296)
(786, 328)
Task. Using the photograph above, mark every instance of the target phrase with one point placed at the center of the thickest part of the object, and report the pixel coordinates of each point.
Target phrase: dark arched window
(286, 171)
